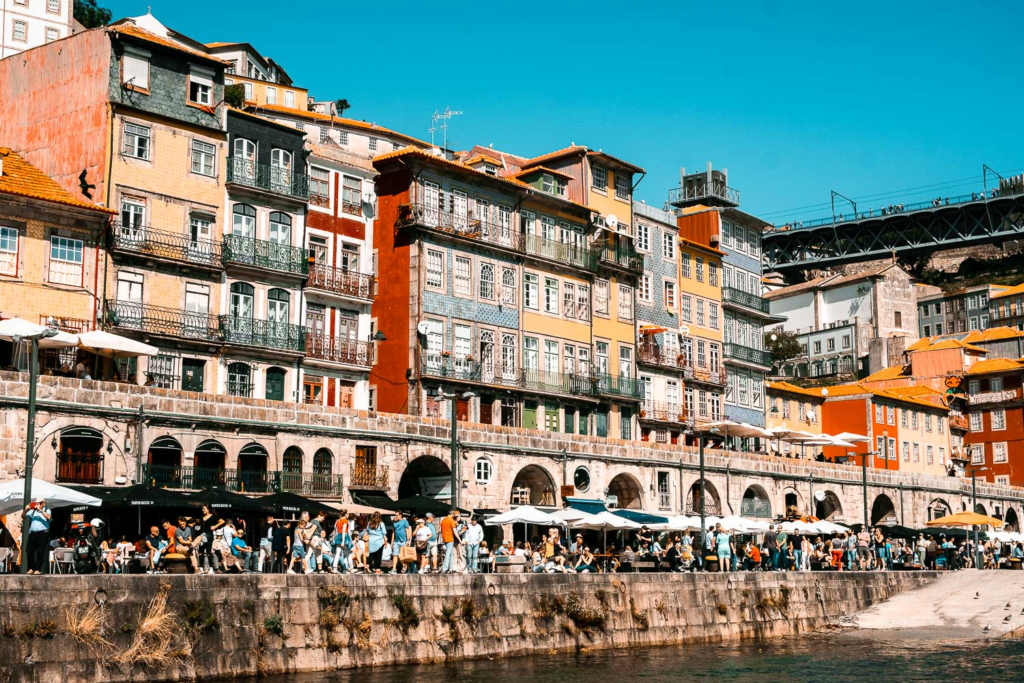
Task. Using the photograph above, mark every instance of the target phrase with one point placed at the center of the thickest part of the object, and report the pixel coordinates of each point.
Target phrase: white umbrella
(111, 345)
(854, 438)
(824, 527)
(570, 514)
(18, 327)
(525, 514)
(604, 521)
(678, 523)
(54, 495)
(733, 524)
(799, 528)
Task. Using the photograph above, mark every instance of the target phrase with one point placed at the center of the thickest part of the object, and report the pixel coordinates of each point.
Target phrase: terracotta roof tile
(540, 169)
(904, 394)
(835, 280)
(621, 162)
(794, 389)
(1012, 291)
(983, 367)
(557, 154)
(130, 29)
(992, 334)
(25, 180)
(352, 123)
(897, 372)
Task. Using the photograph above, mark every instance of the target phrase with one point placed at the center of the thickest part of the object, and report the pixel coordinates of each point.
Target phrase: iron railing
(662, 357)
(731, 295)
(311, 483)
(340, 281)
(321, 200)
(242, 388)
(338, 349)
(172, 246)
(576, 384)
(247, 251)
(252, 332)
(747, 354)
(660, 411)
(450, 367)
(704, 373)
(242, 481)
(711, 505)
(576, 255)
(464, 226)
(755, 507)
(169, 322)
(369, 476)
(624, 256)
(270, 178)
(696, 192)
(619, 385)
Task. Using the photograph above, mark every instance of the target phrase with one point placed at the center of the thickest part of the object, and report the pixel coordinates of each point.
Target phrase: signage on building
(439, 488)
(568, 491)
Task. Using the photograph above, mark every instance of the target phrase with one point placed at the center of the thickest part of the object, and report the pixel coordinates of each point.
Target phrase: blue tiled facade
(656, 266)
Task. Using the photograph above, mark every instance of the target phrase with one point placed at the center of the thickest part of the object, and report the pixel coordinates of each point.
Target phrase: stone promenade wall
(162, 628)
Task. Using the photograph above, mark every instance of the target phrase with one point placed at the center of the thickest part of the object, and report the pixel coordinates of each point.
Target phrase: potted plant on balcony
(404, 212)
(468, 357)
(446, 354)
(643, 413)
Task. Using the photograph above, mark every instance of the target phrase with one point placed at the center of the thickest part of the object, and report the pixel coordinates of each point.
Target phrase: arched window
(323, 462)
(280, 228)
(80, 456)
(242, 165)
(483, 470)
(242, 300)
(252, 468)
(245, 149)
(292, 460)
(243, 221)
(240, 379)
(277, 306)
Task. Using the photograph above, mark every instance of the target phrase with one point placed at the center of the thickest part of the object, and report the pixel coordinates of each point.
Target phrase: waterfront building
(793, 408)
(960, 310)
(1006, 307)
(30, 23)
(989, 394)
(849, 325)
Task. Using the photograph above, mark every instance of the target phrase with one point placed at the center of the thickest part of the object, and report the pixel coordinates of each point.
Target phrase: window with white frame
(878, 413)
(19, 31)
(978, 454)
(66, 259)
(373, 144)
(625, 302)
(917, 452)
(463, 277)
(713, 315)
(487, 281)
(531, 293)
(197, 298)
(644, 293)
(135, 70)
(204, 157)
(890, 417)
(550, 295)
(928, 422)
(712, 273)
(686, 311)
(906, 451)
(1003, 479)
(600, 178)
(289, 99)
(435, 269)
(913, 419)
(999, 452)
(998, 418)
(271, 95)
(483, 471)
(508, 287)
(53, 6)
(52, 34)
(129, 287)
(601, 297)
(8, 250)
(930, 454)
(200, 87)
(684, 259)
(891, 448)
(569, 300)
(995, 384)
(583, 302)
(136, 141)
(621, 185)
(700, 312)
(319, 185)
(975, 422)
(670, 295)
(668, 246)
(643, 237)
(698, 267)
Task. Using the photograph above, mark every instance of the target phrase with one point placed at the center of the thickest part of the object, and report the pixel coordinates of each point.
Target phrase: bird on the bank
(1007, 606)
(977, 595)
(986, 629)
(1008, 617)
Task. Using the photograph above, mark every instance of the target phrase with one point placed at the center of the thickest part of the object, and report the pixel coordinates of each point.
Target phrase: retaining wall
(216, 626)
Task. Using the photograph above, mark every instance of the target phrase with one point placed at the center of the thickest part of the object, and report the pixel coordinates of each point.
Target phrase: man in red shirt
(448, 536)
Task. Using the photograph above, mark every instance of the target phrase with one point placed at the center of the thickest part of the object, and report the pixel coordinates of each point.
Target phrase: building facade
(962, 310)
(992, 402)
(30, 23)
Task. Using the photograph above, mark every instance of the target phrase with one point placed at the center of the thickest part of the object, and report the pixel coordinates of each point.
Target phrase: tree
(234, 95)
(340, 106)
(89, 15)
(785, 346)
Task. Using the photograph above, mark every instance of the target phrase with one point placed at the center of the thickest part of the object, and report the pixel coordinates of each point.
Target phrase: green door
(584, 422)
(601, 424)
(530, 414)
(275, 384)
(551, 417)
(193, 372)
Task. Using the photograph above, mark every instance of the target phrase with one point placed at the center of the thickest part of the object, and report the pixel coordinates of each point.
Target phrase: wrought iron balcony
(311, 483)
(623, 256)
(449, 367)
(620, 386)
(571, 254)
(246, 251)
(559, 383)
(340, 281)
(659, 411)
(369, 476)
(715, 191)
(338, 349)
(661, 357)
(747, 354)
(242, 481)
(263, 333)
(737, 297)
(469, 227)
(705, 374)
(755, 507)
(161, 245)
(158, 320)
(994, 397)
(269, 178)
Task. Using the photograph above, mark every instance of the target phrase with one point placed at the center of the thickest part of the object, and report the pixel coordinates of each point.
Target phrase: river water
(865, 657)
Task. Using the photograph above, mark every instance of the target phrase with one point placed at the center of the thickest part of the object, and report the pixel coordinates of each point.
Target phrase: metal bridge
(908, 230)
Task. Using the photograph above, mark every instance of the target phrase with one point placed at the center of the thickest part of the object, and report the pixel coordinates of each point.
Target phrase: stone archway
(793, 503)
(628, 492)
(1011, 520)
(426, 476)
(533, 485)
(756, 503)
(883, 510)
(980, 509)
(712, 501)
(827, 505)
(938, 508)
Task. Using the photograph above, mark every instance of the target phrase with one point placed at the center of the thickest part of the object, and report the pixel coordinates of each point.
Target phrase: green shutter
(601, 428)
(530, 414)
(570, 419)
(626, 420)
(551, 417)
(584, 420)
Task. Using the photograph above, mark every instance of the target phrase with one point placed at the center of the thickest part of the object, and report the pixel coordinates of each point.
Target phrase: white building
(31, 23)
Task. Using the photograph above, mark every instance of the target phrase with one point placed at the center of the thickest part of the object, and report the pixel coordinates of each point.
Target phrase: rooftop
(794, 389)
(985, 367)
(327, 118)
(19, 177)
(830, 281)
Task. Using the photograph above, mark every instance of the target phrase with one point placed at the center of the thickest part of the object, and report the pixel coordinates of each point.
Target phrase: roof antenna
(444, 117)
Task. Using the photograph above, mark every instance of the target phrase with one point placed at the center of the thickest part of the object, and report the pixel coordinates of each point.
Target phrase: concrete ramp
(958, 604)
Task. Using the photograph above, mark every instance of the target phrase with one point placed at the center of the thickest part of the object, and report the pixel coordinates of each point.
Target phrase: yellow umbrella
(965, 519)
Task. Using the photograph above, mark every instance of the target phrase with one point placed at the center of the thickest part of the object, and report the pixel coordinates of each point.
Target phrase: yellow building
(792, 408)
(701, 318)
(50, 250)
(260, 93)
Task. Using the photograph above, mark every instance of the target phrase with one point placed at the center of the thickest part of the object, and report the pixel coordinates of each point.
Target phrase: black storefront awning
(219, 500)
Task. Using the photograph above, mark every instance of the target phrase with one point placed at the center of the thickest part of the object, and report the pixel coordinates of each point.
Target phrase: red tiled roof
(128, 28)
(25, 180)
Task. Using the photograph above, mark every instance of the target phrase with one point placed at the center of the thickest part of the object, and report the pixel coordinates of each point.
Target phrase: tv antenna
(444, 117)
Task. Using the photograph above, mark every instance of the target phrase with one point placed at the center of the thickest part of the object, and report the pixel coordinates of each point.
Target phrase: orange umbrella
(652, 329)
(965, 519)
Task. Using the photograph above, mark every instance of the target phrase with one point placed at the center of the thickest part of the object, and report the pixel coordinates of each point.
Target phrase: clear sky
(793, 98)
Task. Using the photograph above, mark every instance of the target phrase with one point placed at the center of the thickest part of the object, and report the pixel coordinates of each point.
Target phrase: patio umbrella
(113, 346)
(524, 514)
(288, 503)
(678, 523)
(605, 521)
(854, 438)
(798, 528)
(965, 518)
(13, 494)
(823, 527)
(218, 499)
(355, 508)
(569, 515)
(18, 327)
(720, 427)
(143, 495)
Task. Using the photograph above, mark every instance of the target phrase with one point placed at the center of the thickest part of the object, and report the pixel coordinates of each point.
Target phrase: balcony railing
(528, 379)
(731, 295)
(263, 333)
(338, 349)
(625, 257)
(369, 476)
(558, 383)
(449, 367)
(618, 385)
(270, 178)
(747, 354)
(660, 356)
(242, 481)
(704, 373)
(311, 483)
(340, 281)
(659, 411)
(696, 192)
(464, 226)
(159, 244)
(247, 251)
(994, 397)
(572, 254)
(755, 507)
(168, 322)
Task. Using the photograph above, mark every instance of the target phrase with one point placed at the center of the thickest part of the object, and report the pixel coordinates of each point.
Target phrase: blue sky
(793, 98)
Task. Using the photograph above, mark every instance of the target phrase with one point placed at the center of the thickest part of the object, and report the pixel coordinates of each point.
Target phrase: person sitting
(751, 556)
(155, 546)
(586, 562)
(242, 553)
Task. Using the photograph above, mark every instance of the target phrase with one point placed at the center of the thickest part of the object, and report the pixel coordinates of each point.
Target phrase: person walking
(400, 537)
(771, 542)
(208, 524)
(377, 533)
(37, 541)
(474, 535)
(448, 535)
(341, 544)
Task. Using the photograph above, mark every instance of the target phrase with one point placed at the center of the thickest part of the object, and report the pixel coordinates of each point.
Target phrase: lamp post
(30, 431)
(455, 443)
(974, 508)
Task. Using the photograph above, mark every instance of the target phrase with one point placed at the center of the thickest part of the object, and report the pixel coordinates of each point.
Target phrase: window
(280, 228)
(978, 454)
(878, 413)
(129, 287)
(917, 452)
(271, 95)
(928, 422)
(645, 288)
(998, 452)
(713, 315)
(601, 297)
(941, 422)
(699, 268)
(583, 302)
(846, 341)
(913, 419)
(8, 251)
(903, 418)
(830, 344)
(668, 246)
(243, 221)
(248, 92)
(52, 34)
(998, 418)
(319, 186)
(700, 312)
(136, 141)
(483, 471)
(197, 298)
(204, 157)
(135, 71)
(435, 269)
(684, 258)
(995, 384)
(890, 417)
(373, 144)
(975, 422)
(53, 6)
(892, 448)
(600, 178)
(670, 295)
(508, 287)
(487, 281)
(463, 278)
(569, 300)
(906, 451)
(898, 318)
(625, 303)
(817, 347)
(200, 87)
(550, 295)
(66, 260)
(973, 387)
(927, 330)
(289, 99)
(621, 185)
(643, 237)
(712, 273)
(19, 31)
(686, 311)
(531, 293)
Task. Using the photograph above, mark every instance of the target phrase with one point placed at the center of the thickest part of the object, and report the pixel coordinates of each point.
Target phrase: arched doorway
(426, 476)
(80, 456)
(938, 508)
(291, 470)
(827, 506)
(794, 504)
(629, 495)
(252, 469)
(883, 511)
(208, 469)
(980, 509)
(1012, 521)
(533, 486)
(712, 503)
(164, 459)
(755, 503)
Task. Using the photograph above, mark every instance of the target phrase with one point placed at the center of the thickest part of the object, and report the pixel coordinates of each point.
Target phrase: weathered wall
(243, 625)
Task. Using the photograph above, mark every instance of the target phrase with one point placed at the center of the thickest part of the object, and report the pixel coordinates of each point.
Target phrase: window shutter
(135, 70)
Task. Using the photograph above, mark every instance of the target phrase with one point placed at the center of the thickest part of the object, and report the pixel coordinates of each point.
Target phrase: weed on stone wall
(661, 609)
(200, 617)
(84, 624)
(774, 602)
(408, 617)
(160, 637)
(585, 619)
(449, 616)
(471, 612)
(44, 628)
(641, 619)
(274, 625)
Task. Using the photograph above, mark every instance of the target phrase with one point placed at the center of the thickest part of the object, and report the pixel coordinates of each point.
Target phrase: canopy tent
(569, 514)
(825, 527)
(18, 327)
(292, 504)
(679, 523)
(605, 521)
(588, 505)
(137, 496)
(12, 493)
(640, 517)
(219, 500)
(524, 514)
(113, 346)
(966, 518)
(799, 528)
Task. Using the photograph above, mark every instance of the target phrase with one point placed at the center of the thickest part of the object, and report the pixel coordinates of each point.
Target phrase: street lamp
(30, 432)
(974, 508)
(455, 442)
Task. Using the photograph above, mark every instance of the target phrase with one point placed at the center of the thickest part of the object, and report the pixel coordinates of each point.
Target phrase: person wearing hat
(37, 541)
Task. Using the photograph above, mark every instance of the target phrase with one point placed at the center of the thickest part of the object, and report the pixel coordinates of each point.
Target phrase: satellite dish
(684, 330)
(824, 391)
(819, 496)
(611, 221)
(423, 327)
